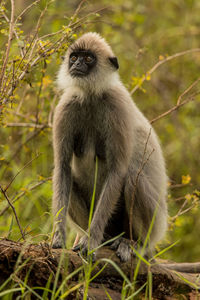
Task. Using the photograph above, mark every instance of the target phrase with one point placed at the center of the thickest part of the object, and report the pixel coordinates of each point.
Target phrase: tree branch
(44, 263)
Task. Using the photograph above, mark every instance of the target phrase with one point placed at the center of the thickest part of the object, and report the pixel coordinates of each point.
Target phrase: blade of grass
(66, 279)
(106, 242)
(187, 281)
(150, 279)
(11, 291)
(164, 250)
(57, 276)
(71, 290)
(88, 267)
(107, 294)
(46, 289)
(137, 292)
(141, 257)
(11, 276)
(93, 198)
(10, 228)
(30, 289)
(117, 269)
(145, 244)
(101, 270)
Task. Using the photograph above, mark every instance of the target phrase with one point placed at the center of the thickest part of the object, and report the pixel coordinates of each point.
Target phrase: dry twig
(177, 106)
(28, 125)
(161, 62)
(21, 194)
(14, 211)
(28, 163)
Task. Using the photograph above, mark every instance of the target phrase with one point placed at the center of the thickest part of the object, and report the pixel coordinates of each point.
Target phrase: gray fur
(97, 117)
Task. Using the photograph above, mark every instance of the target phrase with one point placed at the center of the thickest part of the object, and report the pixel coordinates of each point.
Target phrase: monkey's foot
(83, 248)
(123, 248)
(58, 241)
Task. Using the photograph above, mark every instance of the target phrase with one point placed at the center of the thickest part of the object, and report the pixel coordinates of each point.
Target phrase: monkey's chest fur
(90, 141)
(89, 144)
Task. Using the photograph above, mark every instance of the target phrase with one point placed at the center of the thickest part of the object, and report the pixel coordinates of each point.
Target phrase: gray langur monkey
(96, 117)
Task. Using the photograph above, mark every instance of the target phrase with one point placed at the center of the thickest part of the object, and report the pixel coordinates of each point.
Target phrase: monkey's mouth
(78, 73)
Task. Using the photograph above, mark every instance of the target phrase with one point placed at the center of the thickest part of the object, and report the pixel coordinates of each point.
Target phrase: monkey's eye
(73, 58)
(88, 58)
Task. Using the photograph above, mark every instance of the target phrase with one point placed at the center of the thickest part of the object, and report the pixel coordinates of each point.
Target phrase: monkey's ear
(114, 62)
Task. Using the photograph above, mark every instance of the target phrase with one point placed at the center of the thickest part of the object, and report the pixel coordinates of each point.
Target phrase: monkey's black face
(81, 63)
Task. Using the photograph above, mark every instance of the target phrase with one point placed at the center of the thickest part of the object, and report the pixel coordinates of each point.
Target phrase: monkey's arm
(63, 149)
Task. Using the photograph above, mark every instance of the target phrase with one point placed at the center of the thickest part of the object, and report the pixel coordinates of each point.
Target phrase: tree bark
(40, 261)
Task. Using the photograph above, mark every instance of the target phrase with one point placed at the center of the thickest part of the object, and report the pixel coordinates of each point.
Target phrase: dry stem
(161, 62)
(14, 211)
(21, 194)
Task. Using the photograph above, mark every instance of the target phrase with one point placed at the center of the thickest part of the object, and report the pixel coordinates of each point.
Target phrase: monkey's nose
(79, 61)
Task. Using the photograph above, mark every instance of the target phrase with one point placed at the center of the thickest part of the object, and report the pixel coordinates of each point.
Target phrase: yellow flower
(186, 179)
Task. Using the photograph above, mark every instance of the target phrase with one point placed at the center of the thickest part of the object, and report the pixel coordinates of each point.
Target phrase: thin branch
(78, 9)
(14, 211)
(177, 106)
(28, 163)
(34, 39)
(11, 29)
(81, 20)
(182, 212)
(29, 125)
(30, 137)
(34, 63)
(161, 62)
(187, 90)
(179, 185)
(16, 198)
(50, 34)
(179, 199)
(15, 33)
(25, 10)
(31, 47)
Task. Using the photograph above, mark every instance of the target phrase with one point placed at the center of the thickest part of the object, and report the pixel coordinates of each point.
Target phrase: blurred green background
(141, 33)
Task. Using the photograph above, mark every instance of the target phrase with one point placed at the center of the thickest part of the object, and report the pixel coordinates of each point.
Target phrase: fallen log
(40, 262)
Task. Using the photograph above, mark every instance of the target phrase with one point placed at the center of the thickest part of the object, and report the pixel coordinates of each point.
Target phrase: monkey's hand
(123, 248)
(58, 240)
(83, 246)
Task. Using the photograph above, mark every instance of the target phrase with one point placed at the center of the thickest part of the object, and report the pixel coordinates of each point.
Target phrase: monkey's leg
(140, 222)
(59, 238)
(78, 211)
(103, 211)
(148, 207)
(79, 214)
